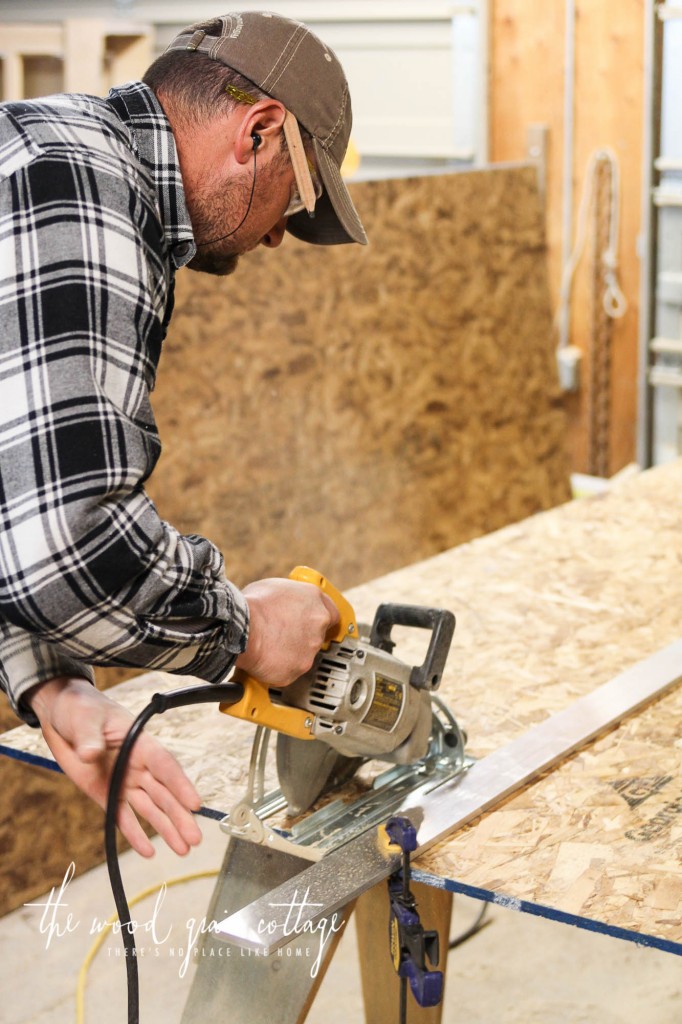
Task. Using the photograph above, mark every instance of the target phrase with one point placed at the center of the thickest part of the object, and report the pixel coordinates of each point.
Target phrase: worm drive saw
(358, 702)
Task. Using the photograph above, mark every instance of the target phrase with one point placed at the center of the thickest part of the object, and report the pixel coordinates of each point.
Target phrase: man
(235, 135)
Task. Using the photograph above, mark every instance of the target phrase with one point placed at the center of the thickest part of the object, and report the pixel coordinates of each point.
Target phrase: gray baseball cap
(290, 63)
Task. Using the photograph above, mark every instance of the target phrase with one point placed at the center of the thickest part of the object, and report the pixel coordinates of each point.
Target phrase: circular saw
(358, 701)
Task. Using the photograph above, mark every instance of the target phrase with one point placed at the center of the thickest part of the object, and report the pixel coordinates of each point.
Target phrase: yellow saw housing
(256, 705)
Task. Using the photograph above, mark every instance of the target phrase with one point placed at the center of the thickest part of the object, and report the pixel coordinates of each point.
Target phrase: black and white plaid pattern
(93, 225)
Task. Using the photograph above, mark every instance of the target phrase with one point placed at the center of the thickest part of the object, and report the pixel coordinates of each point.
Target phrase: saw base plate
(342, 820)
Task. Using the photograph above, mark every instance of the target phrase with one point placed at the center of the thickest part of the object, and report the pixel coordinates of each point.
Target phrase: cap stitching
(300, 31)
(226, 24)
(232, 25)
(236, 29)
(345, 199)
(343, 195)
(336, 127)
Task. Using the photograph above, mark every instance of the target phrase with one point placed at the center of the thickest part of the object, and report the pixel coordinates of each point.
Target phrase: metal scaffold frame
(654, 345)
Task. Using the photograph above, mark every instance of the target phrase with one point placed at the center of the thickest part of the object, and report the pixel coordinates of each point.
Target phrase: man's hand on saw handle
(289, 622)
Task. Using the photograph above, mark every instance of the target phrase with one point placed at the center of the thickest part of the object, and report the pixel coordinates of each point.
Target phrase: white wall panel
(417, 71)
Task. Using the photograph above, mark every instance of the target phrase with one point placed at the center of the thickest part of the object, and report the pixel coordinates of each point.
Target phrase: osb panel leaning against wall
(361, 408)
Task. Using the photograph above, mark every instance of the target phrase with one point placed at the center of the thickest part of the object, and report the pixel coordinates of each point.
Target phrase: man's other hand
(84, 729)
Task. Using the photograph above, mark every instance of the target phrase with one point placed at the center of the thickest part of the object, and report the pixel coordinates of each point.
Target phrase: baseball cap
(290, 63)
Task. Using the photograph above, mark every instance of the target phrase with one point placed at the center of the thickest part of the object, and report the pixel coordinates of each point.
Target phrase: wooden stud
(380, 983)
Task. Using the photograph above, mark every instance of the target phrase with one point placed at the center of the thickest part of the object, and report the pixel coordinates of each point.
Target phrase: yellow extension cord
(104, 934)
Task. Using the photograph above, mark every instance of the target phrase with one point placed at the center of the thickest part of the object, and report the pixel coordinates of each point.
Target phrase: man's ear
(264, 119)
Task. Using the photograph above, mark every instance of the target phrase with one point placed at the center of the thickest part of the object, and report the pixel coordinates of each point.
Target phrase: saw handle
(346, 626)
(442, 625)
(256, 705)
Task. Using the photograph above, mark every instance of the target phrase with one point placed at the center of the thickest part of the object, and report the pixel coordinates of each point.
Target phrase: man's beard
(218, 252)
(209, 262)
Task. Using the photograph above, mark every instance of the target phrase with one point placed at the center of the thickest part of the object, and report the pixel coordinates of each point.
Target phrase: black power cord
(478, 926)
(229, 693)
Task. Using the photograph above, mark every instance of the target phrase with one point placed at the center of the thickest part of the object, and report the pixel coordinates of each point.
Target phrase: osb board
(598, 840)
(547, 609)
(361, 408)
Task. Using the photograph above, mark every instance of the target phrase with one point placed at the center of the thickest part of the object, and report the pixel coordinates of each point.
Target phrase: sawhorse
(246, 988)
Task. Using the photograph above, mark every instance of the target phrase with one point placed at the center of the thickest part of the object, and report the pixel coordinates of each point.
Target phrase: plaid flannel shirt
(93, 225)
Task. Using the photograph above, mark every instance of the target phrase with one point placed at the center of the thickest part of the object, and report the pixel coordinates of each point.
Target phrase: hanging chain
(600, 200)
(605, 304)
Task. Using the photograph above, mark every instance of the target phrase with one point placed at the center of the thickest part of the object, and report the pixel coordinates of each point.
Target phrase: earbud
(256, 140)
